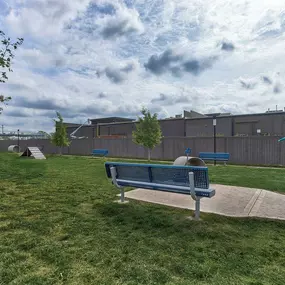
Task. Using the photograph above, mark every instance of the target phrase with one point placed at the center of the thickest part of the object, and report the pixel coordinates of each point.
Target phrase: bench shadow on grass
(162, 220)
(149, 218)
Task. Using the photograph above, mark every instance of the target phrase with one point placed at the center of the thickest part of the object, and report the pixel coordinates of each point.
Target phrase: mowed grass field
(59, 224)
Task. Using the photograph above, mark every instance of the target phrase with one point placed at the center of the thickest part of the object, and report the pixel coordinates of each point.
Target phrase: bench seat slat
(169, 188)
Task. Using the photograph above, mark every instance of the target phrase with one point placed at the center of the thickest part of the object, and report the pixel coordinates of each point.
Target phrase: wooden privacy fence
(243, 150)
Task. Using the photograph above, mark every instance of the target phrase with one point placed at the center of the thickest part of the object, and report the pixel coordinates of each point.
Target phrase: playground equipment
(14, 148)
(33, 152)
(189, 160)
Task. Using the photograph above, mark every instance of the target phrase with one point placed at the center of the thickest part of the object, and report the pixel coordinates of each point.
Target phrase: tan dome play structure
(191, 161)
(14, 148)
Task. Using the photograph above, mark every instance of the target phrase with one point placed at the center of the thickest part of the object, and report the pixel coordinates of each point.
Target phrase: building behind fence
(243, 150)
(193, 124)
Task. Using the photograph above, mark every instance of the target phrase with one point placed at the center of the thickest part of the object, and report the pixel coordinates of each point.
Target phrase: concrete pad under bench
(269, 205)
(229, 201)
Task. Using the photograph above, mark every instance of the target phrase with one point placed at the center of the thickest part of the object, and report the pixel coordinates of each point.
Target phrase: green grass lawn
(59, 225)
(272, 179)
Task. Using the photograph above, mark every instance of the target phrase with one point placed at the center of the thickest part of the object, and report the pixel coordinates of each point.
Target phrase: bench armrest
(113, 175)
(192, 186)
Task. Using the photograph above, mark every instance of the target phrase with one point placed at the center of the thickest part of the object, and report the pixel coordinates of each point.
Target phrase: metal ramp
(33, 152)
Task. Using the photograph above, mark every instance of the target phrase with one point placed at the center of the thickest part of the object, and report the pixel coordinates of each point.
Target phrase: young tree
(59, 137)
(148, 132)
(6, 55)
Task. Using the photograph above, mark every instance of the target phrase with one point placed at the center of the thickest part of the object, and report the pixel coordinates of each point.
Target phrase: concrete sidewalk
(229, 201)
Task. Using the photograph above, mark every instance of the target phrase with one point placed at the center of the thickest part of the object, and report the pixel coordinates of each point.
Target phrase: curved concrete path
(229, 201)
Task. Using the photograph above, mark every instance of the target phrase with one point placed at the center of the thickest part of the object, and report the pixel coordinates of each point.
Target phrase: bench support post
(197, 208)
(114, 174)
(122, 195)
(193, 195)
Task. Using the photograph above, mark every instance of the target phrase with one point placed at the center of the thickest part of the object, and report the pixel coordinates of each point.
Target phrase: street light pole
(18, 140)
(215, 137)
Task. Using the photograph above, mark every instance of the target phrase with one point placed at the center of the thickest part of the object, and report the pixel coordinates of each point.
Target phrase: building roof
(195, 116)
(218, 114)
(225, 115)
(110, 120)
(71, 124)
(136, 121)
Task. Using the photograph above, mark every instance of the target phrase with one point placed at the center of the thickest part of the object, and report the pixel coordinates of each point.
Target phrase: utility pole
(215, 133)
(2, 129)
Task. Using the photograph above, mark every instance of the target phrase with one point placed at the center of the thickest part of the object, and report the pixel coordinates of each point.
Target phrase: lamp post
(215, 137)
(18, 140)
(215, 133)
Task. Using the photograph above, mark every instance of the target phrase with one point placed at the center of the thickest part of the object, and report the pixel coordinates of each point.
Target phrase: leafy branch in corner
(6, 55)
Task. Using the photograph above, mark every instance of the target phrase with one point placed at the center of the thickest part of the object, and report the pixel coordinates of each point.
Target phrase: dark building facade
(169, 127)
(123, 129)
(266, 124)
(92, 130)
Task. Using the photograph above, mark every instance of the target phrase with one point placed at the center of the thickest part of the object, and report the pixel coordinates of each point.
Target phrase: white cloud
(124, 22)
(42, 19)
(87, 58)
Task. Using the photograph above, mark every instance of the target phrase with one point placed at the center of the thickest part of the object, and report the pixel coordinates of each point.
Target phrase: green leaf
(6, 55)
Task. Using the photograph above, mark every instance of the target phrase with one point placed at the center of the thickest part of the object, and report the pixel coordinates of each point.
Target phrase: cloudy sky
(97, 58)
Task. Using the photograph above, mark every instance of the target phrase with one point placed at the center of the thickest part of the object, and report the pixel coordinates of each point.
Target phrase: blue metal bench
(218, 156)
(188, 180)
(100, 152)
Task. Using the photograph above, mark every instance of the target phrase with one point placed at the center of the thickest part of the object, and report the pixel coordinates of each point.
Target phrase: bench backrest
(212, 155)
(160, 173)
(100, 151)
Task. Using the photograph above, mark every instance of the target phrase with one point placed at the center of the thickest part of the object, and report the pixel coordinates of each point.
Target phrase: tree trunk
(149, 153)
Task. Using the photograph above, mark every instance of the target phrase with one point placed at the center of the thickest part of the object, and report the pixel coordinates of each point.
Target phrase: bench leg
(114, 174)
(197, 208)
(122, 195)
(193, 195)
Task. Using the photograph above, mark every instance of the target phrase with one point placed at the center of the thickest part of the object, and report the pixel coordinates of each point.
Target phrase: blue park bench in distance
(218, 156)
(187, 180)
(100, 152)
